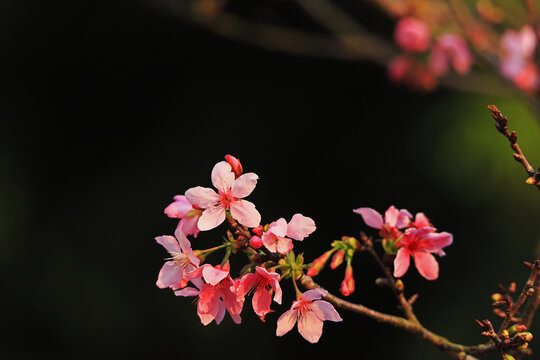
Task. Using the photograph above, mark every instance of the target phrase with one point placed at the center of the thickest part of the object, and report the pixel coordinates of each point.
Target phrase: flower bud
(259, 230)
(235, 165)
(497, 297)
(347, 285)
(319, 263)
(525, 336)
(399, 285)
(508, 357)
(255, 242)
(337, 259)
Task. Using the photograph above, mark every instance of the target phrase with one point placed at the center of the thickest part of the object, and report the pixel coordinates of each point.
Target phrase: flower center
(226, 198)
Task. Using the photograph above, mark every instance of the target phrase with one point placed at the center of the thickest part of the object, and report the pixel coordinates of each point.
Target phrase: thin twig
(501, 123)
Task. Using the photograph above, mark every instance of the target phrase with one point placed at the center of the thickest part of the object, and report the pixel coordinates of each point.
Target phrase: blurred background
(110, 108)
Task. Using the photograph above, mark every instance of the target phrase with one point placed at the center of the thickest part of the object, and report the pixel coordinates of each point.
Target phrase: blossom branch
(501, 123)
(414, 327)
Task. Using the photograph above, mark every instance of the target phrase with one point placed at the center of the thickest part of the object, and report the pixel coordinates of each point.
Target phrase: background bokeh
(110, 108)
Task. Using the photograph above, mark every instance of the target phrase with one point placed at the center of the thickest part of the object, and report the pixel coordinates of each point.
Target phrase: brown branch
(501, 123)
(405, 304)
(457, 350)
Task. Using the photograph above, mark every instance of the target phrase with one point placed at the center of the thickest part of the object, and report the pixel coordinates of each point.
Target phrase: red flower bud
(337, 259)
(235, 165)
(347, 285)
(255, 242)
(318, 263)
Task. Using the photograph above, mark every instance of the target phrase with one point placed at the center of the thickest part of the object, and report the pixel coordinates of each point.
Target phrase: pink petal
(202, 197)
(182, 240)
(244, 185)
(284, 245)
(169, 243)
(222, 176)
(245, 284)
(300, 227)
(371, 217)
(286, 322)
(245, 213)
(325, 311)
(434, 242)
(391, 216)
(403, 219)
(179, 208)
(279, 227)
(310, 327)
(314, 294)
(426, 264)
(212, 275)
(189, 225)
(211, 218)
(261, 301)
(269, 241)
(401, 262)
(187, 291)
(170, 274)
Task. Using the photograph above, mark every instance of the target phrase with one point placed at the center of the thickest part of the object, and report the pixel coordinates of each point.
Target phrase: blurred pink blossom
(517, 57)
(450, 50)
(412, 35)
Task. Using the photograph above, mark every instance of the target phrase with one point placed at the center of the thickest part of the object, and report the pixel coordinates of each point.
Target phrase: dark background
(110, 108)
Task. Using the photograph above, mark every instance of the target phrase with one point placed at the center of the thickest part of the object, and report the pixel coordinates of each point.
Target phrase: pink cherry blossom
(309, 312)
(277, 238)
(450, 50)
(412, 34)
(230, 196)
(215, 294)
(517, 57)
(394, 220)
(420, 220)
(183, 259)
(189, 215)
(420, 244)
(262, 283)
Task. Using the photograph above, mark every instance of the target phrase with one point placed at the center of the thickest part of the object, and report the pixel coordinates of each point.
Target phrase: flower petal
(261, 301)
(434, 242)
(222, 176)
(202, 197)
(325, 311)
(286, 322)
(310, 327)
(300, 227)
(314, 294)
(170, 274)
(211, 218)
(426, 264)
(371, 217)
(212, 275)
(245, 213)
(401, 262)
(244, 185)
(179, 208)
(169, 243)
(187, 291)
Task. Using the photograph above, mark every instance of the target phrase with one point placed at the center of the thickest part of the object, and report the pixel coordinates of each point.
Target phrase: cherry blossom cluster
(437, 38)
(269, 249)
(401, 235)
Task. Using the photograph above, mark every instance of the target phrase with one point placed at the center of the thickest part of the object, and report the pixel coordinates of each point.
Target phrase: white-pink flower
(183, 259)
(277, 238)
(517, 57)
(394, 220)
(182, 209)
(229, 197)
(309, 312)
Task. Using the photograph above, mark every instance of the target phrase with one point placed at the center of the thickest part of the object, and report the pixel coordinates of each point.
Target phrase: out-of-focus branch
(501, 123)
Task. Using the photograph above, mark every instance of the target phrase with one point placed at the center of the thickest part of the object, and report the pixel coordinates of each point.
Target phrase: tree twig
(501, 123)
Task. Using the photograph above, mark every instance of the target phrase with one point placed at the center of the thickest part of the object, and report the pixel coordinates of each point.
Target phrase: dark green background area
(110, 108)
